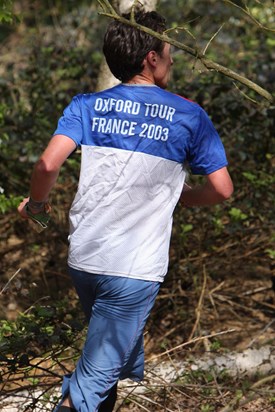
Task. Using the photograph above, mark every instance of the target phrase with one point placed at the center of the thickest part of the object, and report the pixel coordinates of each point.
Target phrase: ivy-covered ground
(221, 274)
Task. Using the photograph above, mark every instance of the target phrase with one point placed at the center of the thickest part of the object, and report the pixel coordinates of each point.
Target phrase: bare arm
(217, 188)
(46, 170)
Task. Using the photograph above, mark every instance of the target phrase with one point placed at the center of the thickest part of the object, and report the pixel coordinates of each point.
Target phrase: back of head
(125, 46)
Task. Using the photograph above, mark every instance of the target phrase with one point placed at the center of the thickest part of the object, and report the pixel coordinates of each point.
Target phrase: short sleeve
(206, 152)
(70, 123)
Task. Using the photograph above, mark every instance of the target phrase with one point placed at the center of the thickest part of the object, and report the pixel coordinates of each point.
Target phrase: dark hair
(125, 46)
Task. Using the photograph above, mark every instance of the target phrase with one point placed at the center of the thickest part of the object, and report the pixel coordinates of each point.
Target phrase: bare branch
(190, 342)
(208, 63)
(244, 94)
(199, 306)
(9, 281)
(107, 7)
(212, 38)
(134, 5)
(251, 395)
(180, 28)
(248, 13)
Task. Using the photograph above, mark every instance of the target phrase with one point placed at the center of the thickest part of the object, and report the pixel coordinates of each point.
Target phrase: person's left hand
(21, 208)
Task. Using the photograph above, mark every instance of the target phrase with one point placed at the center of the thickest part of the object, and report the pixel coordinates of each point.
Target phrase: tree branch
(248, 13)
(108, 11)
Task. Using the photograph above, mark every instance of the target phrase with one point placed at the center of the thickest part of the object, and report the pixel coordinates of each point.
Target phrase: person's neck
(141, 79)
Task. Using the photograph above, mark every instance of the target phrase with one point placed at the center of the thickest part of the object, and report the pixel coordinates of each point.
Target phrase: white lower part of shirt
(121, 217)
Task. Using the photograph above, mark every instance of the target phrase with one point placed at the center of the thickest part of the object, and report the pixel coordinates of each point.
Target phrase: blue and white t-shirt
(135, 142)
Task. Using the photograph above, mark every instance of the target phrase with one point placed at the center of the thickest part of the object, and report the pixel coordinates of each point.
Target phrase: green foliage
(246, 127)
(6, 14)
(237, 215)
(41, 336)
(218, 224)
(215, 345)
(207, 408)
(9, 203)
(270, 253)
(43, 326)
(33, 95)
(186, 229)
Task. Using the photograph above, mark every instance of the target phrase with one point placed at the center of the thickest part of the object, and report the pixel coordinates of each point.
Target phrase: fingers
(21, 208)
(48, 208)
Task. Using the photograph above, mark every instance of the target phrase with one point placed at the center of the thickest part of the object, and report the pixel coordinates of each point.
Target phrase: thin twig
(212, 38)
(232, 303)
(199, 306)
(257, 290)
(9, 281)
(141, 406)
(244, 94)
(171, 331)
(143, 397)
(133, 8)
(190, 343)
(181, 28)
(248, 13)
(265, 304)
(35, 303)
(259, 334)
(219, 286)
(250, 396)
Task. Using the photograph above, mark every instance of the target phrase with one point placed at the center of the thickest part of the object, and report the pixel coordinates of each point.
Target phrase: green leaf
(237, 214)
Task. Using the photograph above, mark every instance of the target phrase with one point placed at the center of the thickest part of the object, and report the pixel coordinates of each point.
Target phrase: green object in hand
(41, 218)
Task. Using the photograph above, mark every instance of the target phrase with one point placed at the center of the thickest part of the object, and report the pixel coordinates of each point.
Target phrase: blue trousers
(117, 309)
